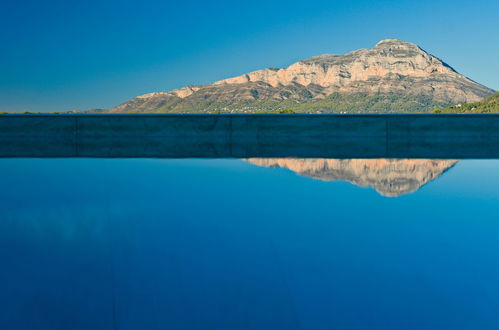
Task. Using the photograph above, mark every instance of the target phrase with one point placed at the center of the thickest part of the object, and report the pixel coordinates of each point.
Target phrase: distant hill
(489, 105)
(393, 76)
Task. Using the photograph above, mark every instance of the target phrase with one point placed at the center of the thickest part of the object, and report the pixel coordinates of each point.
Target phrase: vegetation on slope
(335, 103)
(365, 103)
(489, 105)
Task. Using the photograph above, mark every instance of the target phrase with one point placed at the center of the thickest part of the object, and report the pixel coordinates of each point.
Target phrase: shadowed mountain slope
(489, 105)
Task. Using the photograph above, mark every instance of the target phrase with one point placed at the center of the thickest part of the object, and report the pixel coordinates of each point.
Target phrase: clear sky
(61, 55)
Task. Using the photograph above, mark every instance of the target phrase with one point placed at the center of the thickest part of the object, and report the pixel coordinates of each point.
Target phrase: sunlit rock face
(389, 177)
(392, 65)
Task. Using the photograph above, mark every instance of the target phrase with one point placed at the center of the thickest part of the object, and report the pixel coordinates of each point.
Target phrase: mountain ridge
(393, 76)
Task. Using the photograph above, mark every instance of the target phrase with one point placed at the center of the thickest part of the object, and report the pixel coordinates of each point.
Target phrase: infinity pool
(249, 244)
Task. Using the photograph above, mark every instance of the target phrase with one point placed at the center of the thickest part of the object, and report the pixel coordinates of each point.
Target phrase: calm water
(257, 244)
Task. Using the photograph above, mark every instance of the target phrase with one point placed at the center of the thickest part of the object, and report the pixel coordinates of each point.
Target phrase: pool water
(249, 244)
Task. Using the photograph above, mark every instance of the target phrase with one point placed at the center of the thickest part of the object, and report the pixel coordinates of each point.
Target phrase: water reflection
(389, 177)
(222, 244)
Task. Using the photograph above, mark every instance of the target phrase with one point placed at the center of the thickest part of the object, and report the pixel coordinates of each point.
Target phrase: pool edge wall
(242, 136)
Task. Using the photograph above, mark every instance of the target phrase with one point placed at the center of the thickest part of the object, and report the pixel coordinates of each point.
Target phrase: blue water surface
(224, 244)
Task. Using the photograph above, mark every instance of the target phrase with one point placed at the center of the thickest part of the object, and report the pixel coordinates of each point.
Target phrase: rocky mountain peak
(400, 49)
(388, 59)
(393, 43)
(419, 81)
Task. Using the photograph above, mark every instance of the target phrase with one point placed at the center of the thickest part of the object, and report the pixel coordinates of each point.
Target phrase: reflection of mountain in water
(390, 177)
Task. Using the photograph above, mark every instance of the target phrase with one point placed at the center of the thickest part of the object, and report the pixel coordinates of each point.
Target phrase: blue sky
(61, 55)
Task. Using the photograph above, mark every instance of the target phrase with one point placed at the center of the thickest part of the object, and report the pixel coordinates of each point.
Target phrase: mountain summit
(393, 76)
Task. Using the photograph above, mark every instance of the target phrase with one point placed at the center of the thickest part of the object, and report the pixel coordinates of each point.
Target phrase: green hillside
(361, 103)
(335, 103)
(489, 105)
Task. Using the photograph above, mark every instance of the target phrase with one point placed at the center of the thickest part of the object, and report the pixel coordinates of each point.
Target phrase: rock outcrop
(389, 177)
(392, 72)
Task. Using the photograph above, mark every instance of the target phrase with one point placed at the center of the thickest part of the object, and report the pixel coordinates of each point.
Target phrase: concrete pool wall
(240, 136)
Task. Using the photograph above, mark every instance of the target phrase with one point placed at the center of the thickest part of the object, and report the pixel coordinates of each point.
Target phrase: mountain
(389, 177)
(393, 76)
(489, 105)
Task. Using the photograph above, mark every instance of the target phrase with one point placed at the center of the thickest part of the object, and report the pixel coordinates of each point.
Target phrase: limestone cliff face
(391, 66)
(389, 56)
(389, 177)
